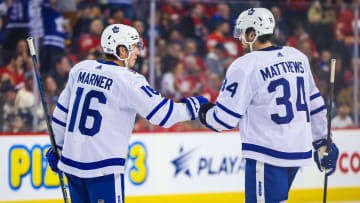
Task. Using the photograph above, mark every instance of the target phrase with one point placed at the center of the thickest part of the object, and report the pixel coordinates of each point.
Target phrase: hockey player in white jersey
(271, 95)
(95, 115)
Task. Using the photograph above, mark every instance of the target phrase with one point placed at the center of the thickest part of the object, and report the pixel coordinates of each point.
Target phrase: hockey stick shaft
(331, 94)
(30, 42)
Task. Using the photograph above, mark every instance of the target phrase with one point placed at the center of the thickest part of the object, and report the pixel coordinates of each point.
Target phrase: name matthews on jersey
(281, 68)
(95, 80)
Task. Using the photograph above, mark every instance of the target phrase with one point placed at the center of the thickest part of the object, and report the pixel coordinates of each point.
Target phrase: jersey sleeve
(151, 105)
(60, 114)
(233, 100)
(317, 111)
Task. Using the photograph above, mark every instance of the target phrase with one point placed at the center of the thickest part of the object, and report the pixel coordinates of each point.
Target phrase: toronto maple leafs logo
(251, 11)
(181, 163)
(115, 29)
(271, 20)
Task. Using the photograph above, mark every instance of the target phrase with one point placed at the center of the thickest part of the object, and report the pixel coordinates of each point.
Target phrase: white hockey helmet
(118, 34)
(260, 19)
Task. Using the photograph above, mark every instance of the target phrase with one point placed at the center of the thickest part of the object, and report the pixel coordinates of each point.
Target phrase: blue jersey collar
(270, 48)
(107, 62)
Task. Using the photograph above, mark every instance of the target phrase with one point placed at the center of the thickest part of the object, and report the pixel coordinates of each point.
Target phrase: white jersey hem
(91, 173)
(276, 161)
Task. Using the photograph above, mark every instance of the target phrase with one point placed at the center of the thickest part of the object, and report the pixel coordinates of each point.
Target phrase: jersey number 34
(301, 104)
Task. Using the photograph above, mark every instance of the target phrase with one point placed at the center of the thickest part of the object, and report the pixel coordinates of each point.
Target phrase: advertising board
(161, 165)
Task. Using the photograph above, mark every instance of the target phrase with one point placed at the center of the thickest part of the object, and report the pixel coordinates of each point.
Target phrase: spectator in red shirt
(174, 10)
(190, 49)
(299, 34)
(91, 41)
(188, 78)
(196, 24)
(13, 70)
(218, 36)
(296, 5)
(192, 82)
(221, 36)
(295, 10)
(344, 28)
(349, 74)
(211, 91)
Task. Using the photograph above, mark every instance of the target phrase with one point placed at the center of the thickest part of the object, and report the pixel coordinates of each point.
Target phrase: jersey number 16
(87, 112)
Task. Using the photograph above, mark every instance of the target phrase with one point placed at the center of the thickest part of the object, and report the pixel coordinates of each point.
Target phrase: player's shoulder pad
(241, 65)
(84, 63)
(295, 51)
(135, 78)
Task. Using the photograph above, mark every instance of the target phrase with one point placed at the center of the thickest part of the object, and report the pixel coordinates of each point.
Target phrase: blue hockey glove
(194, 104)
(53, 160)
(323, 160)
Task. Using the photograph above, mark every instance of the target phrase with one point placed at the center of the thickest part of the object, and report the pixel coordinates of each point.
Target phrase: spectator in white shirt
(342, 119)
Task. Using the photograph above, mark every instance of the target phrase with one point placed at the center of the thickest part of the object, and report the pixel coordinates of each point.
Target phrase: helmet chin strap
(125, 60)
(249, 43)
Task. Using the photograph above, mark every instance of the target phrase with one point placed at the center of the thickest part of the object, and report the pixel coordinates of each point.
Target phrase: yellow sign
(24, 162)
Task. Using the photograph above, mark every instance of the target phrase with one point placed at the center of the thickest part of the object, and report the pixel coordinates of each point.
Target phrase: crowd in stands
(194, 48)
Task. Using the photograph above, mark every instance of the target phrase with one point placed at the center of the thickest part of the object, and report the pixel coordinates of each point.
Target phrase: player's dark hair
(263, 38)
(111, 57)
(107, 57)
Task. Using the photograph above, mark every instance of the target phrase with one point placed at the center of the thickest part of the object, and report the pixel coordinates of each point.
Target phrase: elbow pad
(203, 110)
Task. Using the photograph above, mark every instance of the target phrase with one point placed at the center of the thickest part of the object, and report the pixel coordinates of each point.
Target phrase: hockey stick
(331, 92)
(30, 42)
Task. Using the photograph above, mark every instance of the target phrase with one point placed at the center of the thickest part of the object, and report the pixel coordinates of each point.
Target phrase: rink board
(175, 167)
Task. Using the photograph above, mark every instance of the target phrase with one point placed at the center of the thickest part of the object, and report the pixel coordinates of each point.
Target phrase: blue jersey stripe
(168, 114)
(194, 103)
(314, 96)
(151, 114)
(62, 108)
(122, 188)
(221, 122)
(59, 147)
(58, 121)
(189, 106)
(211, 128)
(93, 165)
(107, 62)
(318, 110)
(277, 154)
(222, 107)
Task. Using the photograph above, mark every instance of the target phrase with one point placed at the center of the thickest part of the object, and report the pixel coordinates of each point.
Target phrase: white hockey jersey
(95, 115)
(272, 95)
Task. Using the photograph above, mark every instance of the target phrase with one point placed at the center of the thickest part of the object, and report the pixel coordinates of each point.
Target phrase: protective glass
(237, 32)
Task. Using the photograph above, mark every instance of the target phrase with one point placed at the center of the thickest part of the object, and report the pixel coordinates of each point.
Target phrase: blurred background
(188, 48)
